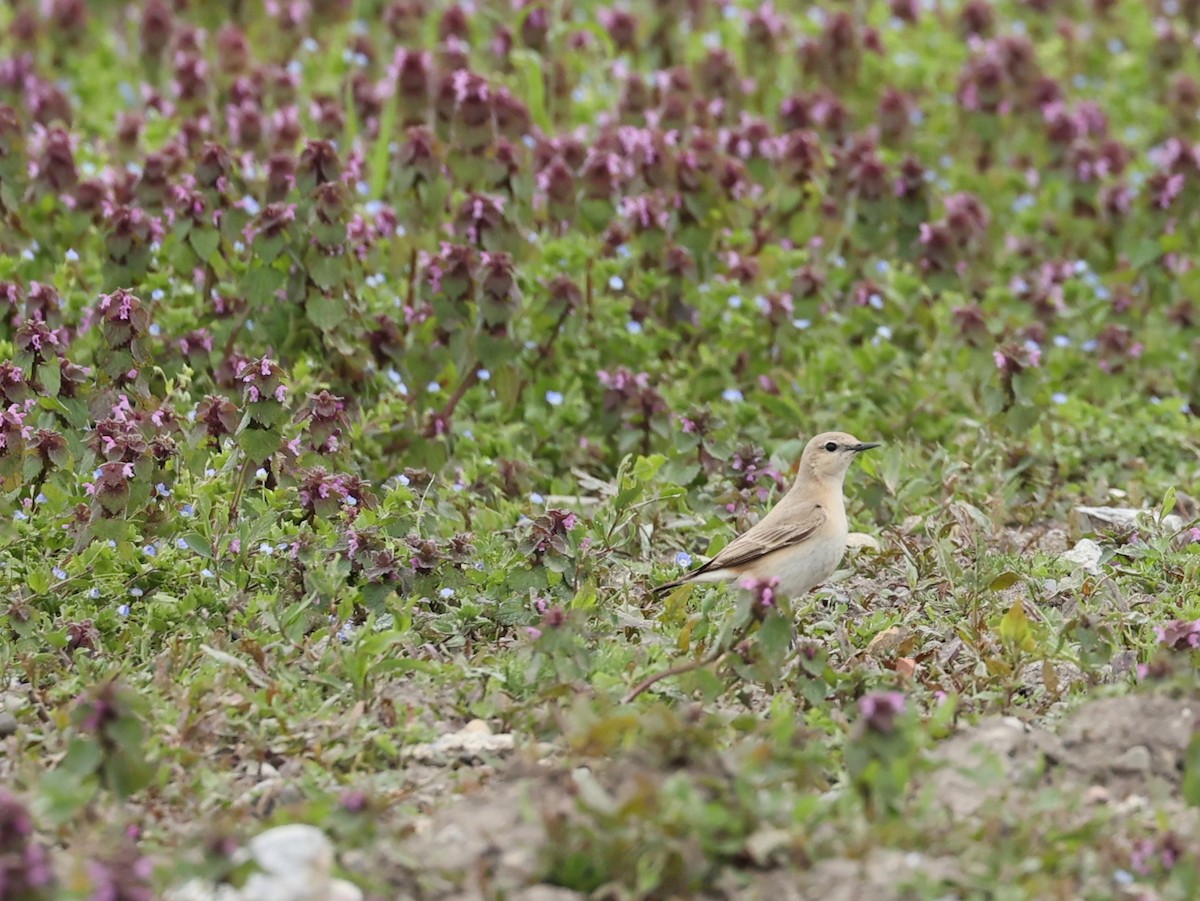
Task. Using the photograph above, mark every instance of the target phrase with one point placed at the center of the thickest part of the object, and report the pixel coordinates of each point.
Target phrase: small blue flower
(206, 572)
(554, 398)
(1058, 397)
(483, 375)
(536, 498)
(1062, 341)
(94, 593)
(266, 548)
(188, 510)
(735, 302)
(150, 550)
(634, 328)
(616, 283)
(402, 479)
(733, 395)
(40, 499)
(72, 256)
(683, 558)
(447, 593)
(59, 573)
(801, 323)
(181, 544)
(162, 489)
(136, 592)
(123, 610)
(260, 474)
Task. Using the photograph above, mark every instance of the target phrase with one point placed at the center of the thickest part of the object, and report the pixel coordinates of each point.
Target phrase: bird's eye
(831, 446)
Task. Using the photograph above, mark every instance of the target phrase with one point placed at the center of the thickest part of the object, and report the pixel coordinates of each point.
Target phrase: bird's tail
(665, 587)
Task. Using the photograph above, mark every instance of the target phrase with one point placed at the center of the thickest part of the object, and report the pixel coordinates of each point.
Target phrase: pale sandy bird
(803, 538)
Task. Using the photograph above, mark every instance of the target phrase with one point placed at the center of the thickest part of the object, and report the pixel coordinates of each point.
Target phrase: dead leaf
(887, 641)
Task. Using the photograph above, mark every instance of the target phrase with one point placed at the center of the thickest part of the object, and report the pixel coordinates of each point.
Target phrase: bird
(802, 539)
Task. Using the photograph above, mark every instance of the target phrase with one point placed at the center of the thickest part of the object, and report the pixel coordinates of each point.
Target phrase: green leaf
(63, 795)
(83, 758)
(259, 444)
(530, 68)
(1004, 580)
(775, 638)
(127, 774)
(1168, 503)
(199, 544)
(646, 468)
(1014, 628)
(261, 283)
(1191, 771)
(326, 312)
(50, 375)
(326, 270)
(204, 241)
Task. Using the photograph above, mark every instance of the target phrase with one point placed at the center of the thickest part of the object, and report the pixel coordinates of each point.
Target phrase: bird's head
(827, 457)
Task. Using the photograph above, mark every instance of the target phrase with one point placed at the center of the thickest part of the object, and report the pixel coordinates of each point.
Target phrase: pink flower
(879, 709)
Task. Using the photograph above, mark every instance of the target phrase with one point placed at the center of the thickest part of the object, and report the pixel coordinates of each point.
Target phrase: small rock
(8, 725)
(297, 865)
(199, 890)
(1085, 555)
(1134, 760)
(285, 849)
(547, 893)
(862, 540)
(763, 845)
(469, 745)
(887, 641)
(1089, 519)
(1053, 541)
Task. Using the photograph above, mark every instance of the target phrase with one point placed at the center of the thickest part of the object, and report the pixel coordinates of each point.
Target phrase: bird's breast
(802, 568)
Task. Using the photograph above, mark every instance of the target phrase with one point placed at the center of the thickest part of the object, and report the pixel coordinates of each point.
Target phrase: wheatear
(803, 538)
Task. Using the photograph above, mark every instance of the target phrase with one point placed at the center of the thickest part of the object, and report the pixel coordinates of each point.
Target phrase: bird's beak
(866, 445)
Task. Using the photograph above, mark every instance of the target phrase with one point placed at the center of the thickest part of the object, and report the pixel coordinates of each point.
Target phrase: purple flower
(879, 710)
(24, 866)
(1179, 634)
(765, 593)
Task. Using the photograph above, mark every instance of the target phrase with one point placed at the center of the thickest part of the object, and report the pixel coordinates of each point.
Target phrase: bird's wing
(766, 537)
